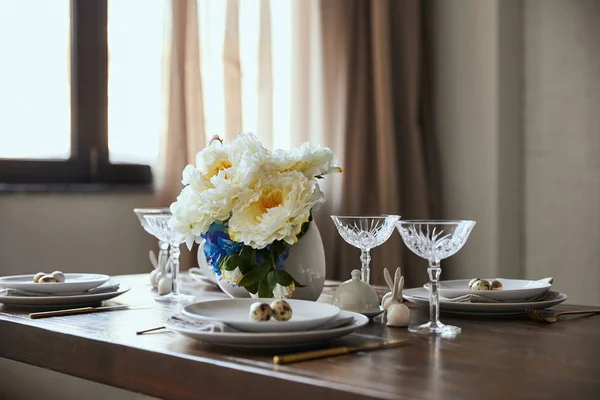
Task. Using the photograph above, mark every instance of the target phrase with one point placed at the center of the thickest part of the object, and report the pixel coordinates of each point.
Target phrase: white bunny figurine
(397, 313)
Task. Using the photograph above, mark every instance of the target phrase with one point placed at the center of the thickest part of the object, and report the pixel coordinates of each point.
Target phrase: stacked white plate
(311, 322)
(516, 296)
(76, 290)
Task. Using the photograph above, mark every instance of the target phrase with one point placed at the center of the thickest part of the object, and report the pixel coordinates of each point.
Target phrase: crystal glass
(163, 254)
(158, 225)
(434, 241)
(366, 233)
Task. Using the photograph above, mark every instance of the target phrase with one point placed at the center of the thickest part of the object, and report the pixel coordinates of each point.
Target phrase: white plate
(270, 339)
(73, 283)
(419, 295)
(59, 301)
(512, 289)
(235, 313)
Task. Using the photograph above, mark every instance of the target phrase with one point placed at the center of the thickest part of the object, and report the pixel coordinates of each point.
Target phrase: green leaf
(252, 288)
(232, 261)
(255, 275)
(272, 279)
(284, 279)
(264, 291)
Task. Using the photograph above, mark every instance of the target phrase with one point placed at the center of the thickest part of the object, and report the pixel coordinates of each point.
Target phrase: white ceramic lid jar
(356, 295)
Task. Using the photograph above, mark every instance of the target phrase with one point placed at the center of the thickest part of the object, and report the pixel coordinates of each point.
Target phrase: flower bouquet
(250, 205)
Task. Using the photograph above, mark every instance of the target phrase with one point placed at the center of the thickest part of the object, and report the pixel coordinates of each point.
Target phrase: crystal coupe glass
(163, 255)
(158, 225)
(434, 241)
(365, 233)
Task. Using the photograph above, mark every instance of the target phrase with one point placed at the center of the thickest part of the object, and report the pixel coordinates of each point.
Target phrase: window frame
(89, 162)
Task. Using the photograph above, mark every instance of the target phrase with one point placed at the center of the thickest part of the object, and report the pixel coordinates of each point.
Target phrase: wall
(562, 144)
(73, 232)
(517, 98)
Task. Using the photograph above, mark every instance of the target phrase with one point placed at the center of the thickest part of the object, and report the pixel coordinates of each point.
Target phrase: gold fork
(535, 315)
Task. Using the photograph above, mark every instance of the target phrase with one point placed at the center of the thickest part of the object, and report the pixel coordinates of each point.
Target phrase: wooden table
(494, 357)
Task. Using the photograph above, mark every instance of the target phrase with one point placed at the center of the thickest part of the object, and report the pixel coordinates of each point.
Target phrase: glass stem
(163, 257)
(365, 259)
(175, 269)
(434, 271)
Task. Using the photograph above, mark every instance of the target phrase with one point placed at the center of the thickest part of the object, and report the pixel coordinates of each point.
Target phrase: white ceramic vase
(305, 263)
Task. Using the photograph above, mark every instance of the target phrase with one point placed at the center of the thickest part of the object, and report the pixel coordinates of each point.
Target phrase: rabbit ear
(388, 279)
(399, 289)
(395, 286)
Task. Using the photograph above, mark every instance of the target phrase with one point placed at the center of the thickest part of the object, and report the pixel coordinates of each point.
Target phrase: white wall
(73, 233)
(562, 144)
(517, 112)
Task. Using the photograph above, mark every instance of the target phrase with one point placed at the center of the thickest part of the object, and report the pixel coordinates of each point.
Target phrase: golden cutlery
(336, 351)
(150, 330)
(535, 315)
(83, 310)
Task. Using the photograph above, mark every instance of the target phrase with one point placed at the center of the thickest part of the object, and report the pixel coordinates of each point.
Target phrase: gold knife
(84, 310)
(336, 351)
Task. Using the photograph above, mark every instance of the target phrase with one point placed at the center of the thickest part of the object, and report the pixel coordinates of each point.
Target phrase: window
(80, 90)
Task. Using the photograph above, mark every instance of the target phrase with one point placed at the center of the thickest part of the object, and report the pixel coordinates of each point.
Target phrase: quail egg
(472, 282)
(260, 312)
(47, 279)
(58, 276)
(481, 284)
(37, 276)
(496, 285)
(281, 310)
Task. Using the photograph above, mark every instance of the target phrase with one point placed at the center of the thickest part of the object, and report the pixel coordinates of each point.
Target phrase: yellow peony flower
(279, 205)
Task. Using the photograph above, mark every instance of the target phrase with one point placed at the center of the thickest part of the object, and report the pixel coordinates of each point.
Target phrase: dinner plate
(73, 283)
(419, 296)
(235, 313)
(59, 301)
(512, 289)
(269, 339)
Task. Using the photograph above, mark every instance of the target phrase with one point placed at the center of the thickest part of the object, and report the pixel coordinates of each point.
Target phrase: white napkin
(217, 326)
(104, 288)
(476, 298)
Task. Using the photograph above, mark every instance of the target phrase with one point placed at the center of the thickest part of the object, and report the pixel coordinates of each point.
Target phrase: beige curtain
(388, 149)
(356, 84)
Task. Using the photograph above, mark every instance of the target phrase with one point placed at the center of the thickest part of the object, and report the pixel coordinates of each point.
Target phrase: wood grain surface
(494, 358)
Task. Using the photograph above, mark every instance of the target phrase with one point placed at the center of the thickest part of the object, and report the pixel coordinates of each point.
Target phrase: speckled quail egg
(47, 279)
(260, 312)
(37, 276)
(58, 276)
(481, 284)
(472, 281)
(281, 310)
(496, 285)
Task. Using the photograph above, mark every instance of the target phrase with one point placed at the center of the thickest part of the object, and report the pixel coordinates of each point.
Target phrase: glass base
(436, 329)
(176, 298)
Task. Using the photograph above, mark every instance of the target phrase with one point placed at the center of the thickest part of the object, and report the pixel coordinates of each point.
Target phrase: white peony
(283, 292)
(249, 158)
(309, 159)
(280, 204)
(214, 159)
(189, 219)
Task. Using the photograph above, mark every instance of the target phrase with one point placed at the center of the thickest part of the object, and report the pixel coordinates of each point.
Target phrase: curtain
(347, 74)
(389, 153)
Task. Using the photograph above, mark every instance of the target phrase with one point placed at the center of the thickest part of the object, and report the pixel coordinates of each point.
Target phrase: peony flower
(313, 161)
(279, 205)
(232, 277)
(188, 218)
(283, 292)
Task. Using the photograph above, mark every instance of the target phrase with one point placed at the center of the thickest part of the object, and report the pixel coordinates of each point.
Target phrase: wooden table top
(494, 358)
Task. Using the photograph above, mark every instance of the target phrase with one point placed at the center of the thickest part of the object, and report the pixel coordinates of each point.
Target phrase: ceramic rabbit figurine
(397, 313)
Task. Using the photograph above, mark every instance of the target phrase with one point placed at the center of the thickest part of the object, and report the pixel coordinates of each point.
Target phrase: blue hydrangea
(218, 245)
